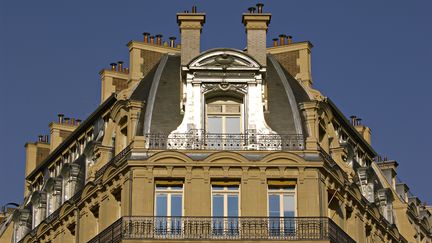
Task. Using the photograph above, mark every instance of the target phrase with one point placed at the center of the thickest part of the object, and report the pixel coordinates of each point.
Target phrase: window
(225, 209)
(168, 209)
(224, 123)
(281, 209)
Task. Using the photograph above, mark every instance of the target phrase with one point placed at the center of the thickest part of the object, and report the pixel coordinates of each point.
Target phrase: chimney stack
(256, 30)
(190, 29)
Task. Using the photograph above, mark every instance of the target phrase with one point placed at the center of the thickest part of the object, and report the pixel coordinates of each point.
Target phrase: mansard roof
(160, 91)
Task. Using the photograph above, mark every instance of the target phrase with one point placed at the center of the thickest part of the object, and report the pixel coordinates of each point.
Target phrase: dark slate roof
(280, 84)
(160, 91)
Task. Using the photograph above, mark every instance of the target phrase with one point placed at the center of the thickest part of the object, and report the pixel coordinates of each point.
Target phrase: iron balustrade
(200, 140)
(222, 228)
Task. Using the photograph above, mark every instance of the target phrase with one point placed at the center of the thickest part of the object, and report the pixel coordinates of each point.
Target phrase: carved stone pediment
(224, 59)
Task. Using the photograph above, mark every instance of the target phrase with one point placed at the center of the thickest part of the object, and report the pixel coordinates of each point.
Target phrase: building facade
(216, 145)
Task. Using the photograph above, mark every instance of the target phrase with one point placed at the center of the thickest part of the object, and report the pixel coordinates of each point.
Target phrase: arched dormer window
(22, 224)
(70, 180)
(53, 189)
(39, 203)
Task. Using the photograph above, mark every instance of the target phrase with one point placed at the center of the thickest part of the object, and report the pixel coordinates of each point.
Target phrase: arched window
(39, 203)
(70, 177)
(53, 189)
(22, 224)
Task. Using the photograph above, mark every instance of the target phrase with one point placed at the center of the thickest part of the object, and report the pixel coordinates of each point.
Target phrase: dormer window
(224, 115)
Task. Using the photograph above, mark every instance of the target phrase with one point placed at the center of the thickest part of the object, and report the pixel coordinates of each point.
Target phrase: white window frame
(224, 114)
(225, 192)
(169, 192)
(281, 192)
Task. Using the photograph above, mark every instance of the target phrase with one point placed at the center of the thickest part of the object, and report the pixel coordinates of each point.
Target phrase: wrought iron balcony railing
(222, 228)
(200, 140)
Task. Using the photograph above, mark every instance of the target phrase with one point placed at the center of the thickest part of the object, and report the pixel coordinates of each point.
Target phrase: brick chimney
(190, 28)
(36, 152)
(60, 130)
(113, 80)
(256, 24)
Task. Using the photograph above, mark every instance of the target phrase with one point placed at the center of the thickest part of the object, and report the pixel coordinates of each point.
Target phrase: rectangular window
(281, 210)
(225, 209)
(168, 209)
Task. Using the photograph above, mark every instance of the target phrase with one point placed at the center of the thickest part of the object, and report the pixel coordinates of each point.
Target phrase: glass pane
(218, 205)
(234, 213)
(159, 187)
(274, 206)
(176, 205)
(214, 124)
(232, 125)
(217, 187)
(161, 210)
(218, 212)
(233, 206)
(289, 205)
(179, 187)
(233, 188)
(161, 205)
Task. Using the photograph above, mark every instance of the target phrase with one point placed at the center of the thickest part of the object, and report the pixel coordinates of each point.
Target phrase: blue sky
(372, 58)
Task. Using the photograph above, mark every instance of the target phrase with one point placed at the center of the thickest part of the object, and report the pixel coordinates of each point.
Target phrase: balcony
(200, 140)
(223, 228)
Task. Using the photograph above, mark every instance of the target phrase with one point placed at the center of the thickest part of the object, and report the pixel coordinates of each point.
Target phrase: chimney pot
(282, 39)
(151, 39)
(46, 138)
(159, 39)
(146, 37)
(66, 120)
(252, 9)
(60, 118)
(78, 122)
(113, 66)
(120, 66)
(172, 41)
(358, 121)
(275, 42)
(260, 7)
(353, 120)
(289, 39)
(126, 70)
(40, 138)
(194, 9)
(72, 121)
